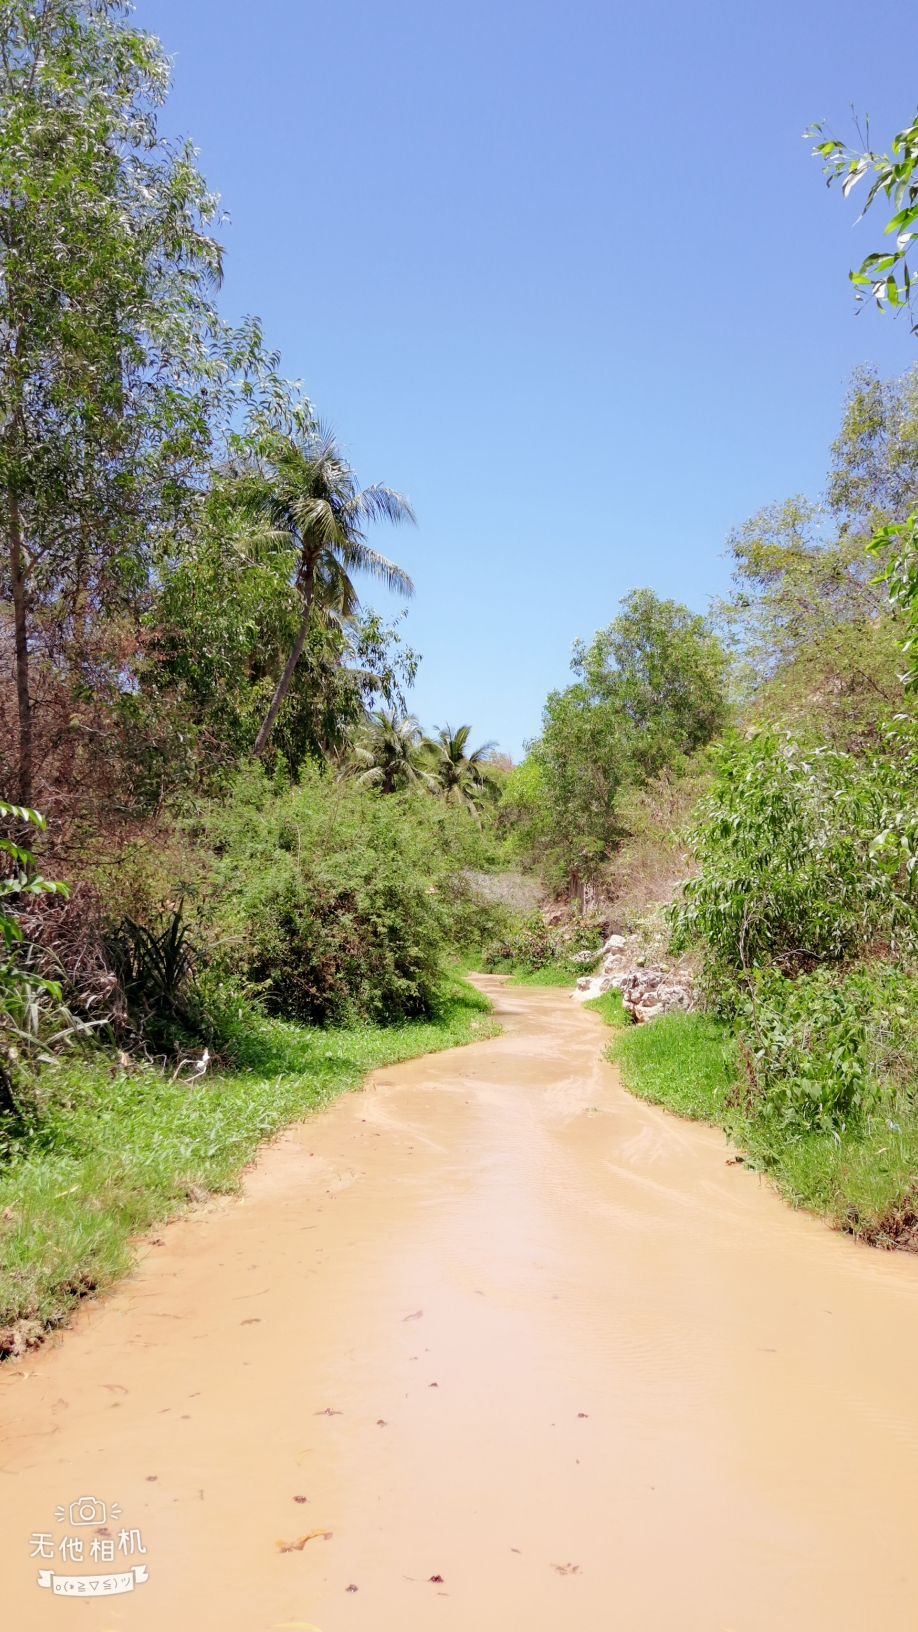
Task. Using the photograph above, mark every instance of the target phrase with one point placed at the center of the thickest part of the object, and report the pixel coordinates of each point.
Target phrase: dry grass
(652, 861)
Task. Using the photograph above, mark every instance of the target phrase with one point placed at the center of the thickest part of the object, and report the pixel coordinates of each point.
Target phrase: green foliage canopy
(651, 691)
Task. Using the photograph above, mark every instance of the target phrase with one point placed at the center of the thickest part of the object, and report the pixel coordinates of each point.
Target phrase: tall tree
(651, 689)
(297, 484)
(106, 273)
(462, 774)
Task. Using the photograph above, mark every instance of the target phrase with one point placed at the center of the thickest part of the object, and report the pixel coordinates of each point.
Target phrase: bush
(789, 872)
(342, 903)
(323, 956)
(534, 944)
(826, 1049)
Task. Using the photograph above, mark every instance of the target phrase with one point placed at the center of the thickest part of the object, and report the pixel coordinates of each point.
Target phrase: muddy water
(499, 1324)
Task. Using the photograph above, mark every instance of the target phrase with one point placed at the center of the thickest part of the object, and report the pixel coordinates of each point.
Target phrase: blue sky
(564, 273)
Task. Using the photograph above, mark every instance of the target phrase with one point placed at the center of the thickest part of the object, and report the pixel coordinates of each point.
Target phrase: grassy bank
(549, 975)
(114, 1152)
(863, 1181)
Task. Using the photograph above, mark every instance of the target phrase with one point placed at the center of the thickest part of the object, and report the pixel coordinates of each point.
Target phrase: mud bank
(535, 1355)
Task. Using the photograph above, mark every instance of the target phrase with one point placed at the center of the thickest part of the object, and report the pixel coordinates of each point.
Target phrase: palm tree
(388, 753)
(305, 492)
(461, 777)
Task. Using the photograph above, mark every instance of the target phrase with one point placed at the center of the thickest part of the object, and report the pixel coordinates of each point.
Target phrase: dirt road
(535, 1356)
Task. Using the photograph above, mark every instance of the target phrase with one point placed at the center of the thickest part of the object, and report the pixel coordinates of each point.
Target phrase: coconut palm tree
(461, 777)
(303, 490)
(388, 753)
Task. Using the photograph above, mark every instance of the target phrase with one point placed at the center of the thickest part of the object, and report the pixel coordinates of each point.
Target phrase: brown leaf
(435, 1578)
(298, 1545)
(253, 1320)
(416, 1316)
(351, 1588)
(381, 1424)
(299, 1498)
(583, 1413)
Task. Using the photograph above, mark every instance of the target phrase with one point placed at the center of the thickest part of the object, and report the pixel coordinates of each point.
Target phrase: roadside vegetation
(236, 871)
(768, 833)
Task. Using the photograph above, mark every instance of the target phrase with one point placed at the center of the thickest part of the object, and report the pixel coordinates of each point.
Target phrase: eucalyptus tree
(887, 277)
(294, 482)
(461, 775)
(107, 329)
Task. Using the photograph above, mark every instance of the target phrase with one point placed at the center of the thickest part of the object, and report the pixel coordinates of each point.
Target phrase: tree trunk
(18, 585)
(283, 684)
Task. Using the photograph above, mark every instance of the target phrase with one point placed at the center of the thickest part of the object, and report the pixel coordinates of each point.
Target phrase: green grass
(551, 974)
(864, 1181)
(115, 1152)
(683, 1061)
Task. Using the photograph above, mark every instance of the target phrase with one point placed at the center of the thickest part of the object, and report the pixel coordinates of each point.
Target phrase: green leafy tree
(886, 277)
(816, 639)
(106, 275)
(297, 486)
(873, 477)
(663, 670)
(798, 862)
(217, 636)
(651, 690)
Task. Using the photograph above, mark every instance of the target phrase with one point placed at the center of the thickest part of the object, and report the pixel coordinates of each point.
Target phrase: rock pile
(646, 990)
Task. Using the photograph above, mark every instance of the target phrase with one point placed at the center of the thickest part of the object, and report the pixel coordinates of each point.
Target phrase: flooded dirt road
(535, 1356)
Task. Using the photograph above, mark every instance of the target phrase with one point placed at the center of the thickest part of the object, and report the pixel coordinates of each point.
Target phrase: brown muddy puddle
(534, 1354)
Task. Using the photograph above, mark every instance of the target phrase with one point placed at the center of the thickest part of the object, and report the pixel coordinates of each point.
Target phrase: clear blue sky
(564, 273)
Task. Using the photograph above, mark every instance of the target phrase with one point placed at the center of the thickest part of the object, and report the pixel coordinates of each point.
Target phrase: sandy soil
(534, 1354)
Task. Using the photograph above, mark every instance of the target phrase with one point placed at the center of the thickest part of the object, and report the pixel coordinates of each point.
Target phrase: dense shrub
(790, 872)
(322, 955)
(826, 1049)
(341, 903)
(534, 944)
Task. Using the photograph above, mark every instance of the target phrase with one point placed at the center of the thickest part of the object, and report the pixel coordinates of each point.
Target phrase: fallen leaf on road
(299, 1498)
(381, 1424)
(583, 1413)
(328, 1412)
(298, 1545)
(253, 1320)
(416, 1316)
(435, 1578)
(433, 1385)
(351, 1588)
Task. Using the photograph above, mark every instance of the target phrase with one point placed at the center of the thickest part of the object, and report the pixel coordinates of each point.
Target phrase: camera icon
(87, 1510)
